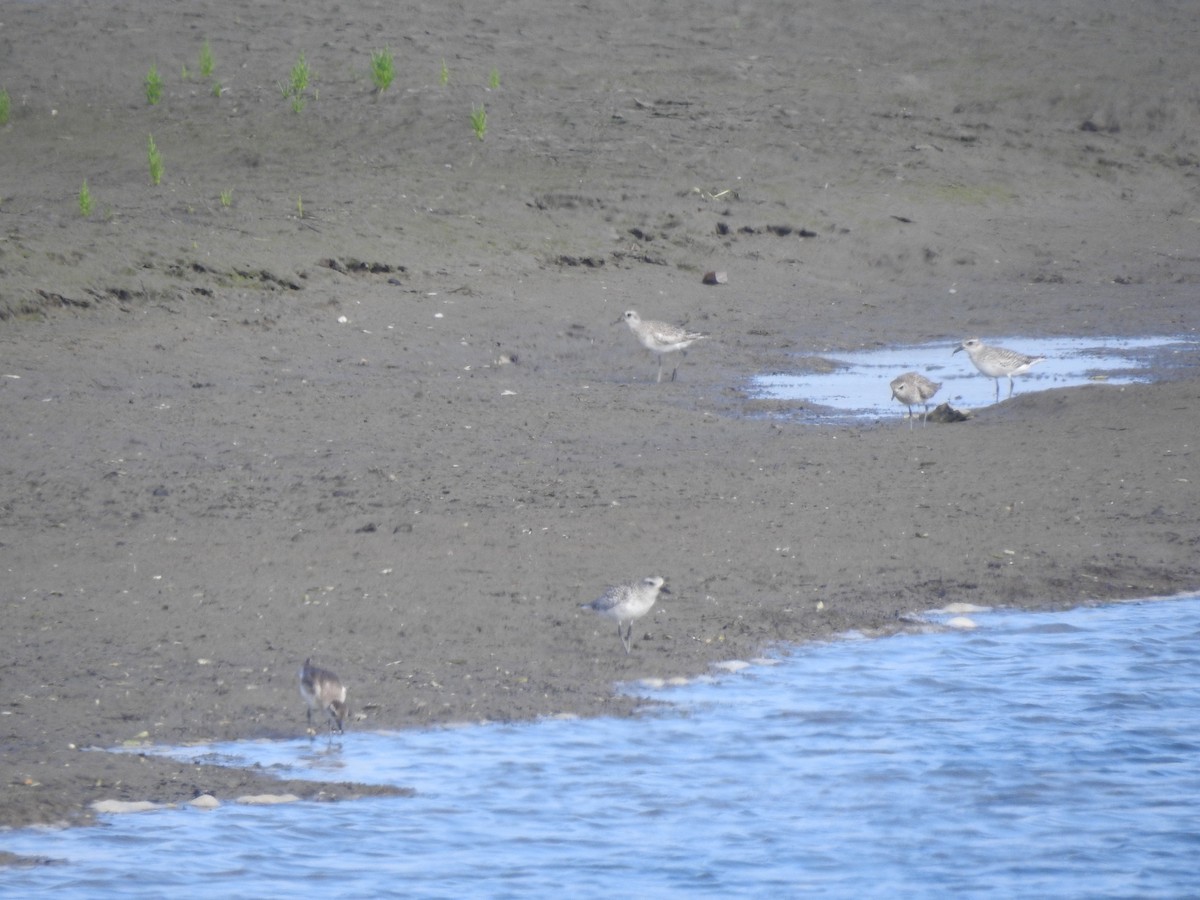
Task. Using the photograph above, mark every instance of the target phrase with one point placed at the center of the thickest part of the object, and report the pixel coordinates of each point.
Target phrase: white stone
(124, 806)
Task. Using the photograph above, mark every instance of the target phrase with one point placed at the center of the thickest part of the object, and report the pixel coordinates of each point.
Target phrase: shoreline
(376, 410)
(259, 789)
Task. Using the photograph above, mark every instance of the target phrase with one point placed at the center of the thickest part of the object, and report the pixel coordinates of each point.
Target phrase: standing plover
(998, 362)
(626, 602)
(912, 388)
(660, 338)
(322, 690)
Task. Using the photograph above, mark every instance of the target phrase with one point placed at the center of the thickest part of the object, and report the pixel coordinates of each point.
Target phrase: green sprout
(154, 86)
(444, 78)
(383, 69)
(300, 75)
(154, 158)
(5, 106)
(184, 74)
(494, 79)
(227, 198)
(299, 206)
(479, 120)
(217, 90)
(207, 62)
(85, 200)
(294, 88)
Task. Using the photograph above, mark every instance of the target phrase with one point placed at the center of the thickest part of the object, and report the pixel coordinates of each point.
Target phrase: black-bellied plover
(660, 338)
(626, 602)
(912, 388)
(322, 690)
(998, 362)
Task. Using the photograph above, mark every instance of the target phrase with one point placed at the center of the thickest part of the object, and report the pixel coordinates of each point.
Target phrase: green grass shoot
(217, 90)
(298, 81)
(5, 106)
(154, 85)
(383, 69)
(444, 78)
(85, 200)
(299, 206)
(494, 79)
(300, 75)
(207, 63)
(154, 158)
(227, 198)
(479, 120)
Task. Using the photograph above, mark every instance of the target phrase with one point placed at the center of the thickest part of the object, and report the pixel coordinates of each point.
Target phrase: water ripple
(1036, 756)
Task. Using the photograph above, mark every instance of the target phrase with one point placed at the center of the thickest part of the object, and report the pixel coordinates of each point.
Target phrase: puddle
(856, 385)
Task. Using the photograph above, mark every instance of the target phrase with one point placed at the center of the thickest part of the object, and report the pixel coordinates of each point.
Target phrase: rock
(124, 806)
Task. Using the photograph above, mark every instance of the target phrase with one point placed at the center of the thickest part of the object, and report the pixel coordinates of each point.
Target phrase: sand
(378, 409)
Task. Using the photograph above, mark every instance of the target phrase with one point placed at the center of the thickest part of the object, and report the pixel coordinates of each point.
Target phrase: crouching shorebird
(912, 388)
(322, 690)
(660, 338)
(626, 602)
(998, 362)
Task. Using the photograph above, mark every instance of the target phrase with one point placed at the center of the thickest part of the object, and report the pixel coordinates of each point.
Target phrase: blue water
(858, 385)
(1036, 755)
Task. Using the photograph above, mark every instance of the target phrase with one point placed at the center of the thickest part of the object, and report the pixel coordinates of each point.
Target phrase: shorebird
(660, 338)
(998, 362)
(912, 388)
(626, 602)
(322, 690)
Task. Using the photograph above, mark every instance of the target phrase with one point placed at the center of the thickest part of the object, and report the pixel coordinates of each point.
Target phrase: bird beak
(956, 349)
(664, 590)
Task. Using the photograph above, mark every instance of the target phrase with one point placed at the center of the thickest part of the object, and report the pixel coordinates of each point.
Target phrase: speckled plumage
(660, 337)
(322, 690)
(626, 602)
(998, 362)
(912, 388)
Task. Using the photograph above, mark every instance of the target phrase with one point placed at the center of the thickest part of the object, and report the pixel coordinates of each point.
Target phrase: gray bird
(322, 690)
(998, 362)
(626, 602)
(912, 388)
(660, 338)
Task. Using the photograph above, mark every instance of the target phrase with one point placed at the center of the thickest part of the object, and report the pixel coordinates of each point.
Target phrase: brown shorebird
(998, 362)
(626, 602)
(322, 690)
(660, 338)
(912, 388)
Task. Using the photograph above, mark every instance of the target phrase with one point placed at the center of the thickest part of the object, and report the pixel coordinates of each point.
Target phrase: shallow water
(1035, 755)
(858, 384)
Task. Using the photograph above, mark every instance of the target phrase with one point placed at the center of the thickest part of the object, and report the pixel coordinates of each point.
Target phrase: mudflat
(351, 383)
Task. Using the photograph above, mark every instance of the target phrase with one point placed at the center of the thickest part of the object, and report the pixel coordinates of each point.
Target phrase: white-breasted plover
(660, 338)
(998, 362)
(626, 602)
